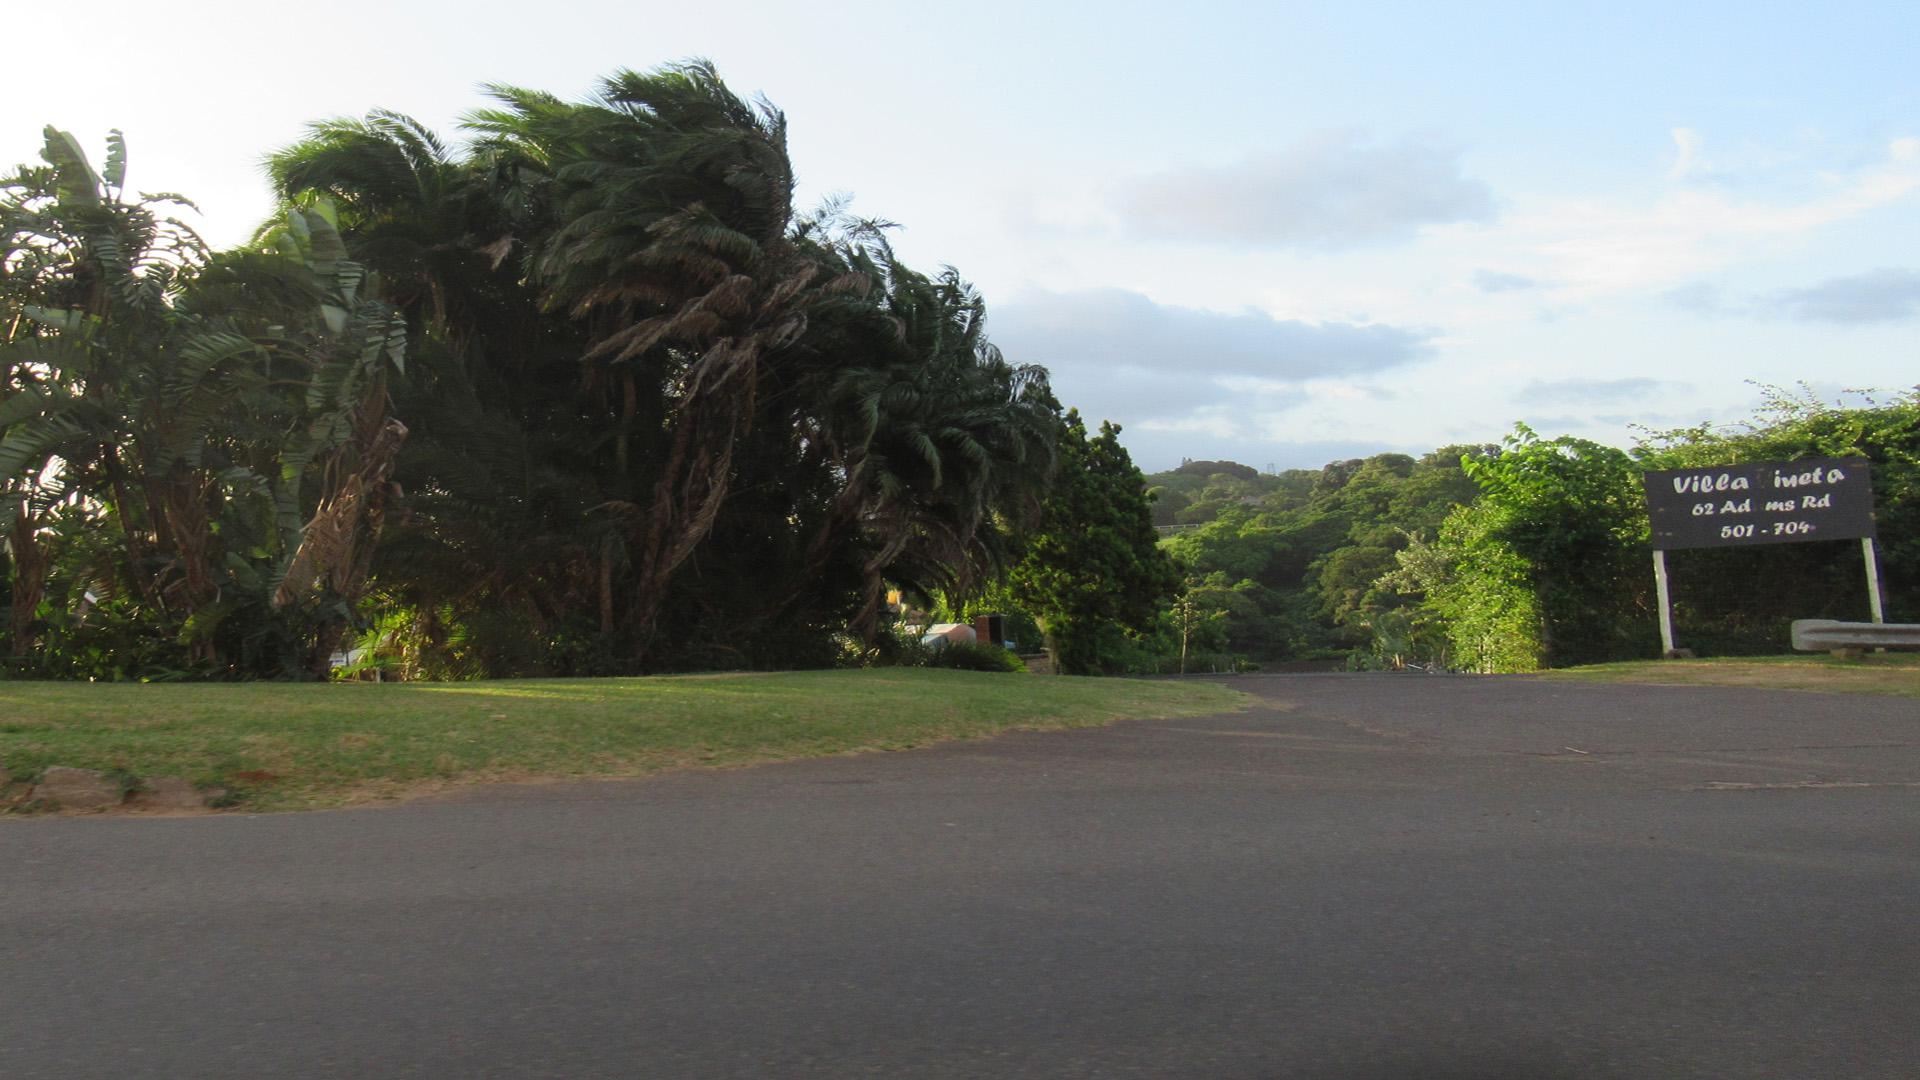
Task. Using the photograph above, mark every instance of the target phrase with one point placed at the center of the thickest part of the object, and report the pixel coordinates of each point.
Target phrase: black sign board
(1762, 502)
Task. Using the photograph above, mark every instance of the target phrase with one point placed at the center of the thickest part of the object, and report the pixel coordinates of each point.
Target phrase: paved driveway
(1364, 877)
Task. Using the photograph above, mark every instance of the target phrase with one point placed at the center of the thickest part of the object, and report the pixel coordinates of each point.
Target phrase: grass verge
(278, 746)
(1897, 674)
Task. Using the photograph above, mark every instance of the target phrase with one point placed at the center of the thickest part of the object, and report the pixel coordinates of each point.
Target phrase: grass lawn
(1875, 673)
(280, 746)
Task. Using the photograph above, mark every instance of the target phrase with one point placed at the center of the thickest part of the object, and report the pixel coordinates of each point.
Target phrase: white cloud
(1592, 246)
(1583, 390)
(1119, 355)
(1686, 147)
(1884, 295)
(1496, 281)
(1218, 421)
(1333, 191)
(1699, 297)
(1115, 327)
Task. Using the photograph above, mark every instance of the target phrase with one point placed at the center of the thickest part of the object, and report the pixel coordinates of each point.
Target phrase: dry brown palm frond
(337, 541)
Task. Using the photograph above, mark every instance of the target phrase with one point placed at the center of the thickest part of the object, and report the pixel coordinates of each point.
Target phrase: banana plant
(86, 278)
(323, 353)
(231, 411)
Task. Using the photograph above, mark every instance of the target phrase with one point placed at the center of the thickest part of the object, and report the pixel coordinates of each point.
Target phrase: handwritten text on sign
(1760, 502)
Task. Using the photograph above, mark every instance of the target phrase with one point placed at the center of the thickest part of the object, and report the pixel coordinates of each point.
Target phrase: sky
(1279, 233)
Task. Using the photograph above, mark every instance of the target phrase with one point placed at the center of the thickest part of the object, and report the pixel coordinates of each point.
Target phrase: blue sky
(1276, 233)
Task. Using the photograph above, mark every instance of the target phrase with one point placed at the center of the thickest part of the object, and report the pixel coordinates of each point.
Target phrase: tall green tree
(1545, 568)
(1093, 564)
(946, 447)
(584, 394)
(651, 404)
(222, 418)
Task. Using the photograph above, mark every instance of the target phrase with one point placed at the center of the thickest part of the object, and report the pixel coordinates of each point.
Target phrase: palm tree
(669, 237)
(634, 359)
(957, 450)
(499, 468)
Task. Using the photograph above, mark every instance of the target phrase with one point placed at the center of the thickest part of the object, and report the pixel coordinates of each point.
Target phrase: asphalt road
(1391, 876)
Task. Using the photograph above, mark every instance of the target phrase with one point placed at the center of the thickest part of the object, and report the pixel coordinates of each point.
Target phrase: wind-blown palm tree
(951, 446)
(670, 237)
(697, 378)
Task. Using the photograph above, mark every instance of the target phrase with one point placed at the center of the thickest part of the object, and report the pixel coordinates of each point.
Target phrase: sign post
(1761, 502)
(1875, 602)
(1666, 602)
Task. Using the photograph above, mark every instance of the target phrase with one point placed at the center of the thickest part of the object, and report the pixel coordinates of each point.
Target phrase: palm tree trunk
(606, 587)
(131, 539)
(687, 501)
(29, 582)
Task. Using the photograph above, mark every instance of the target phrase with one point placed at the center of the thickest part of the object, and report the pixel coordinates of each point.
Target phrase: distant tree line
(1522, 555)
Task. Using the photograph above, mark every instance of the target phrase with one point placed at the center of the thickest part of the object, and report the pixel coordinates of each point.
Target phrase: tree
(702, 419)
(1303, 550)
(1543, 569)
(222, 419)
(583, 395)
(946, 446)
(86, 280)
(1093, 565)
(1479, 591)
(1198, 614)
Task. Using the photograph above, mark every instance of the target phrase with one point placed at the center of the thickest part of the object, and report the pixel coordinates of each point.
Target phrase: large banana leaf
(77, 183)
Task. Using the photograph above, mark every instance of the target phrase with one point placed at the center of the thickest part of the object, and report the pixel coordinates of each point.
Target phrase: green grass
(288, 746)
(1897, 674)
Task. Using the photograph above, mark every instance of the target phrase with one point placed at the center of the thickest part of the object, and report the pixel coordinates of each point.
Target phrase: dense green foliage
(1545, 567)
(1291, 565)
(193, 448)
(1527, 555)
(1551, 566)
(583, 395)
(1739, 601)
(969, 656)
(1092, 571)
